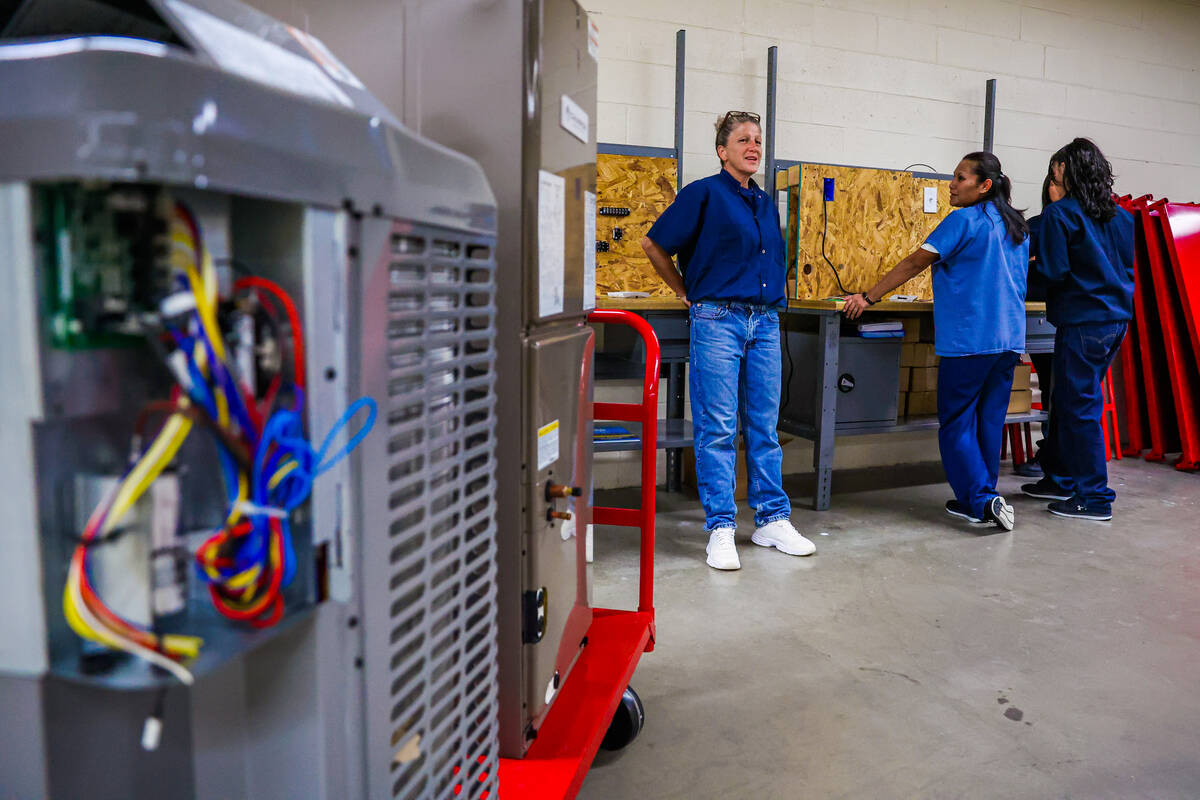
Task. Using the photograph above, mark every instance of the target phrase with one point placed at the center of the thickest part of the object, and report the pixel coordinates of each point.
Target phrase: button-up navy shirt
(728, 241)
(1087, 264)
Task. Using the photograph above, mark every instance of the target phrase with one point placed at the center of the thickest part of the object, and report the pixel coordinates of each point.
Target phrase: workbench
(669, 318)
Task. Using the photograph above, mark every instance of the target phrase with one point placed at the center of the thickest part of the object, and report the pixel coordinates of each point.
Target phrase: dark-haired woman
(726, 233)
(1052, 192)
(1085, 254)
(980, 259)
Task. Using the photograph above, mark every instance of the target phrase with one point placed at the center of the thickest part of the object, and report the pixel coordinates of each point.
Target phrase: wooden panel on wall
(876, 218)
(646, 186)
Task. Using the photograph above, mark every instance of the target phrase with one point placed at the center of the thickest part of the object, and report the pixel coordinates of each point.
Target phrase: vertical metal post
(772, 76)
(679, 65)
(989, 116)
(826, 417)
(676, 371)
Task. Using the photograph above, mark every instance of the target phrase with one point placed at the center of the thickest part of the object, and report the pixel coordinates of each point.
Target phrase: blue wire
(283, 439)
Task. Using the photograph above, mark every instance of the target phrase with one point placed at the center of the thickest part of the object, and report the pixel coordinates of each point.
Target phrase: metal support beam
(680, 36)
(829, 345)
(676, 376)
(989, 116)
(772, 77)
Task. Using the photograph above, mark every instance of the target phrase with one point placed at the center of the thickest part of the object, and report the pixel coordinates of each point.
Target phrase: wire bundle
(266, 461)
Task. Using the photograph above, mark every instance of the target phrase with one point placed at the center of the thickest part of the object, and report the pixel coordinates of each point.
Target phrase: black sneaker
(956, 509)
(1076, 510)
(1001, 513)
(1045, 489)
(1030, 469)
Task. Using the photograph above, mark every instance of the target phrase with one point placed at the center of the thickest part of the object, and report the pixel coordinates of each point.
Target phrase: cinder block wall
(889, 83)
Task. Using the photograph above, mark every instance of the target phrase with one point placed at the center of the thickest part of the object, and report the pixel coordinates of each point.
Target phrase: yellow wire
(156, 458)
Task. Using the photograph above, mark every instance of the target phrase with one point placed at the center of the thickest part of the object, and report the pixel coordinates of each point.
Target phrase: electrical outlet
(931, 200)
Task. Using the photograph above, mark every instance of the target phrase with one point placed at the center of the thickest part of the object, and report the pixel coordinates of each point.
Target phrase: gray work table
(823, 430)
(669, 318)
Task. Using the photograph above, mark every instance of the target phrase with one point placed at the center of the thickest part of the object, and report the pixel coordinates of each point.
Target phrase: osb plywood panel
(646, 186)
(876, 218)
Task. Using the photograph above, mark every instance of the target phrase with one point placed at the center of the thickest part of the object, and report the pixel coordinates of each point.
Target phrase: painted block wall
(889, 83)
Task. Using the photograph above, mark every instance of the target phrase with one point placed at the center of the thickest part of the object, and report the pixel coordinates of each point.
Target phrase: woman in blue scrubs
(1085, 255)
(725, 231)
(980, 259)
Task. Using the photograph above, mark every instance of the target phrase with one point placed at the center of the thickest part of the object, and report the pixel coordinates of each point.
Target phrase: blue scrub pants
(735, 372)
(973, 395)
(1074, 455)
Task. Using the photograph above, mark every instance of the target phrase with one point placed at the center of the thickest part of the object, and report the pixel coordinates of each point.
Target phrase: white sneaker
(722, 554)
(783, 537)
(1002, 513)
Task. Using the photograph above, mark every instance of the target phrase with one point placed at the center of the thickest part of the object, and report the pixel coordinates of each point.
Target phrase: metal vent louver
(440, 362)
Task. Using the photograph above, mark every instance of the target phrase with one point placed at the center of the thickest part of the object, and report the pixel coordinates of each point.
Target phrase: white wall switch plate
(931, 200)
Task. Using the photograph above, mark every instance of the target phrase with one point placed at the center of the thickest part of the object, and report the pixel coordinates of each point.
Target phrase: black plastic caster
(626, 722)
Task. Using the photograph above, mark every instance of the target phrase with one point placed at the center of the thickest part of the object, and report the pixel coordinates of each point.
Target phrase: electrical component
(265, 458)
(602, 247)
(618, 234)
(612, 211)
(105, 257)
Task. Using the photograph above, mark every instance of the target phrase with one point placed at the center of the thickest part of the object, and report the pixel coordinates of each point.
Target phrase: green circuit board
(102, 252)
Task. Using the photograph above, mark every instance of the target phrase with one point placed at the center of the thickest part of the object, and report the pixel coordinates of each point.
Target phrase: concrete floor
(917, 657)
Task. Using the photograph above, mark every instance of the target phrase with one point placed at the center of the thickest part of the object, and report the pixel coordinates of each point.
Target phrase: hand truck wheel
(627, 721)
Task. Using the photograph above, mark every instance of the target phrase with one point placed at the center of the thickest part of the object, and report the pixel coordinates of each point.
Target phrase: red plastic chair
(1108, 417)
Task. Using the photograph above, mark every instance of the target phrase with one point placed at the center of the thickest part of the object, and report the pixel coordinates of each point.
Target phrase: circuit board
(103, 252)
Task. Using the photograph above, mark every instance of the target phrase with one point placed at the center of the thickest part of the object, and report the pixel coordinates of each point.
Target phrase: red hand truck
(596, 705)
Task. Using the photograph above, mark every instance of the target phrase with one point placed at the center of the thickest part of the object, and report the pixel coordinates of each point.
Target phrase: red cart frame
(558, 761)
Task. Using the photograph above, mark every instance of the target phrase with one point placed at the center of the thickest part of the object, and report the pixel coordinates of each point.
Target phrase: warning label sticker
(547, 445)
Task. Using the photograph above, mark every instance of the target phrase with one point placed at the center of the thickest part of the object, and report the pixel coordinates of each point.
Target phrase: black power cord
(824, 233)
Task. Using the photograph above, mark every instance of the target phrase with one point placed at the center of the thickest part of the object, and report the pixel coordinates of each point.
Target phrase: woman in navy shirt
(1085, 255)
(725, 231)
(980, 258)
(1052, 192)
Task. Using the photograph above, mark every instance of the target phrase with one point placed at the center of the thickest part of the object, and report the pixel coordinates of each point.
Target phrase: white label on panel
(574, 119)
(547, 449)
(253, 57)
(589, 251)
(593, 39)
(552, 191)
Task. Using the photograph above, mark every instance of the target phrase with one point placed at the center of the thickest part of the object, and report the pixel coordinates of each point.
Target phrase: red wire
(269, 399)
(269, 597)
(292, 315)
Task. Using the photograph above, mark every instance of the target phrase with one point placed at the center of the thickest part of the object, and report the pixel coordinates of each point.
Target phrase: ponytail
(987, 167)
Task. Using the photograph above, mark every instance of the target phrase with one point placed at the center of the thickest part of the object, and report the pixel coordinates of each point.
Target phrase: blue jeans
(973, 394)
(735, 373)
(1074, 456)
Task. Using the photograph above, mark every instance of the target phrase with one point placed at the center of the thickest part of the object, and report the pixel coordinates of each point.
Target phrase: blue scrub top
(1087, 264)
(728, 241)
(978, 284)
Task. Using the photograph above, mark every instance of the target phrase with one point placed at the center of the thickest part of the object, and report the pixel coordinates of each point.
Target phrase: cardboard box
(1021, 376)
(924, 379)
(905, 377)
(918, 354)
(902, 405)
(1020, 402)
(922, 404)
(918, 329)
